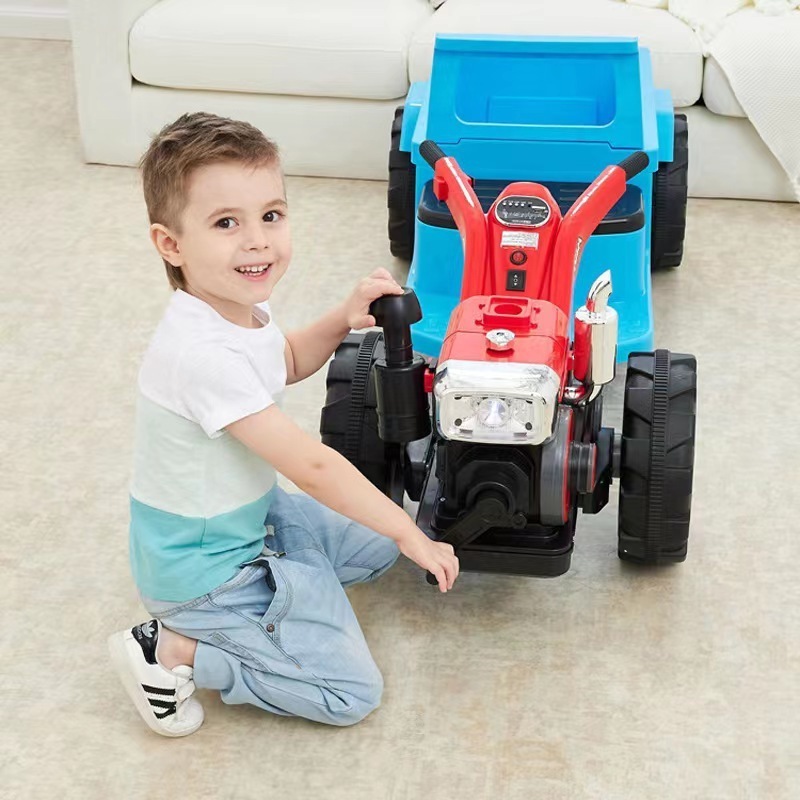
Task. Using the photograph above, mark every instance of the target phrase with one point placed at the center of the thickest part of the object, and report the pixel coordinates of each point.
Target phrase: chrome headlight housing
(495, 403)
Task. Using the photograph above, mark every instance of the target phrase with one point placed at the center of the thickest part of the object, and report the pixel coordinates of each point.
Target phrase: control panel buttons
(526, 211)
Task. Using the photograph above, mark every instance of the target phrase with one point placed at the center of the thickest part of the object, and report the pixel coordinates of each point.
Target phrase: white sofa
(323, 77)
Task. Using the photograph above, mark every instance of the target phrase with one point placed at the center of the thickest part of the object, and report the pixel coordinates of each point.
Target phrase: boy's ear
(166, 244)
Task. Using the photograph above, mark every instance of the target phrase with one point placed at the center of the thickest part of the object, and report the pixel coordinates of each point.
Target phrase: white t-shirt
(199, 497)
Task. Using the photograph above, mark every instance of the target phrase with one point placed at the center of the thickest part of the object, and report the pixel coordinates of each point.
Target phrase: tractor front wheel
(657, 457)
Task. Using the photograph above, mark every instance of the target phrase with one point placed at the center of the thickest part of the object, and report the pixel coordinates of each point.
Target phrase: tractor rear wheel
(349, 419)
(400, 199)
(670, 190)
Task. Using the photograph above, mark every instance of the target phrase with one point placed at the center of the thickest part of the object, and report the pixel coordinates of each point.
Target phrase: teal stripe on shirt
(176, 558)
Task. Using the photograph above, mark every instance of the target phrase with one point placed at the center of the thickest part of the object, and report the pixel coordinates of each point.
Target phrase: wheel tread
(657, 457)
(364, 447)
(401, 194)
(670, 190)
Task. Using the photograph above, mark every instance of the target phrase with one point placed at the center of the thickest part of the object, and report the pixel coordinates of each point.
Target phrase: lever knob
(395, 313)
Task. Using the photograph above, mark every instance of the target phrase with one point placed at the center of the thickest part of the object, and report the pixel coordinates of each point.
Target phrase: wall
(35, 19)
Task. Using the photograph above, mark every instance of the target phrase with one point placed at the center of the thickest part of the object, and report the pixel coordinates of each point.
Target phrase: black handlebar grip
(634, 164)
(395, 313)
(431, 152)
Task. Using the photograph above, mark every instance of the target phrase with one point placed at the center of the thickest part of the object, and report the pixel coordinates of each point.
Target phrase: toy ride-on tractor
(500, 438)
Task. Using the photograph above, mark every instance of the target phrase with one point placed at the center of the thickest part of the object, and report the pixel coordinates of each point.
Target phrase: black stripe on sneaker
(160, 703)
(166, 713)
(156, 690)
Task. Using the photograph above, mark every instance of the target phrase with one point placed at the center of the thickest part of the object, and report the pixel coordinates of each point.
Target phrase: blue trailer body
(554, 111)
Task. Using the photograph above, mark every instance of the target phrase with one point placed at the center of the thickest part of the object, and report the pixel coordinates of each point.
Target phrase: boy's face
(235, 218)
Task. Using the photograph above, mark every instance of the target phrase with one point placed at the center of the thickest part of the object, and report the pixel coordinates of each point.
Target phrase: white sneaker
(162, 696)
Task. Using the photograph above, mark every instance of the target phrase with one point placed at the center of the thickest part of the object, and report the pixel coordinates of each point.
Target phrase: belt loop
(263, 561)
(270, 578)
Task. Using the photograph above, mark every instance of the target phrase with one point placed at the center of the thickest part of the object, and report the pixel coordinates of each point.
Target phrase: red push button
(518, 257)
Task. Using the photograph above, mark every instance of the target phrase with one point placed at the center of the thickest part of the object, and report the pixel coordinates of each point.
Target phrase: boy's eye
(226, 223)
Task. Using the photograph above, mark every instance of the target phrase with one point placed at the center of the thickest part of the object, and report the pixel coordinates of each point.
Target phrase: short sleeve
(218, 385)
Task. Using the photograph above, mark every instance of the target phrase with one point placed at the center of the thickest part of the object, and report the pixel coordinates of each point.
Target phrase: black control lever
(490, 511)
(395, 313)
(402, 404)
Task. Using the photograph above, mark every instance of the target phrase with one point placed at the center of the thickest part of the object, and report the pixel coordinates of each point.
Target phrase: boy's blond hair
(178, 149)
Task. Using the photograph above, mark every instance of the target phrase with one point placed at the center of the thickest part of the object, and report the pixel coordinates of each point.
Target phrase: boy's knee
(359, 707)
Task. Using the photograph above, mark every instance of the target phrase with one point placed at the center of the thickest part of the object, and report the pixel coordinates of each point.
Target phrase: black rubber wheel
(400, 199)
(657, 458)
(670, 190)
(349, 419)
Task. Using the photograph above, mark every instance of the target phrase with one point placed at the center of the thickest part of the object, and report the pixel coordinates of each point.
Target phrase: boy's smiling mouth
(254, 271)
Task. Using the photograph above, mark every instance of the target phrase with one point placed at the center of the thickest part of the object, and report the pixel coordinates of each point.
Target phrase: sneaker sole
(119, 657)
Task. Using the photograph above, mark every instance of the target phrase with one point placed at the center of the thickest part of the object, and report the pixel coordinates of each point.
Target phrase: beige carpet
(607, 683)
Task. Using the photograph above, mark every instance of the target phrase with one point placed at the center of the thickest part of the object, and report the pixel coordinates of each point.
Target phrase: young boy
(245, 581)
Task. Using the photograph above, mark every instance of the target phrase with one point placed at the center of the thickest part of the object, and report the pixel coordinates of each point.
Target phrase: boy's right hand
(437, 558)
(356, 307)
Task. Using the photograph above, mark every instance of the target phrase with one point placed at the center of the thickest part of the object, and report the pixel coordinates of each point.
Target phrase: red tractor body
(500, 438)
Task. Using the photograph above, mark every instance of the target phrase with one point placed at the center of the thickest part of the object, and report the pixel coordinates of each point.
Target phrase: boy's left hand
(356, 307)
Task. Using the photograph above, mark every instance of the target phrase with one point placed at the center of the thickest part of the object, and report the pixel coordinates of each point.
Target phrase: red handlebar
(578, 224)
(453, 186)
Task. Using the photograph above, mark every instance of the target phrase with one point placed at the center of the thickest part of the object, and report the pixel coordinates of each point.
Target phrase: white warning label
(519, 239)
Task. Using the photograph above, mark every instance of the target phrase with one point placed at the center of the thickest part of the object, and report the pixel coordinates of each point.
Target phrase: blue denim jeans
(281, 633)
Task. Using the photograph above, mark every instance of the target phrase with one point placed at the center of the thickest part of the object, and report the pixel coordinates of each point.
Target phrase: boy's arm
(308, 349)
(332, 480)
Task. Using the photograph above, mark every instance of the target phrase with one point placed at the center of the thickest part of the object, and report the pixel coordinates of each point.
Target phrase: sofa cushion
(758, 53)
(717, 93)
(348, 48)
(676, 51)
(727, 158)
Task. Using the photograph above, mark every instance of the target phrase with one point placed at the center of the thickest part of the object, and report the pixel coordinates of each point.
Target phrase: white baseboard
(34, 23)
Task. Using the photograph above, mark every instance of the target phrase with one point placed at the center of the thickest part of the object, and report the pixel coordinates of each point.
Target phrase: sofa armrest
(100, 30)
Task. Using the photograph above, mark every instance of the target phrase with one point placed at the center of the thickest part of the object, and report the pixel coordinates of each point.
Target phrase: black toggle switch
(515, 280)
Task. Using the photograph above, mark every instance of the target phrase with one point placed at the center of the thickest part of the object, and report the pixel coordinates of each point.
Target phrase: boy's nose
(257, 239)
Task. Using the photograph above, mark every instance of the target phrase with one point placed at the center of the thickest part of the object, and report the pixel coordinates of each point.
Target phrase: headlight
(493, 412)
(495, 403)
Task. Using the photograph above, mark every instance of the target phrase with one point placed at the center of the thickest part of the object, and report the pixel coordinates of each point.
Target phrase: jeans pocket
(163, 609)
(248, 596)
(244, 576)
